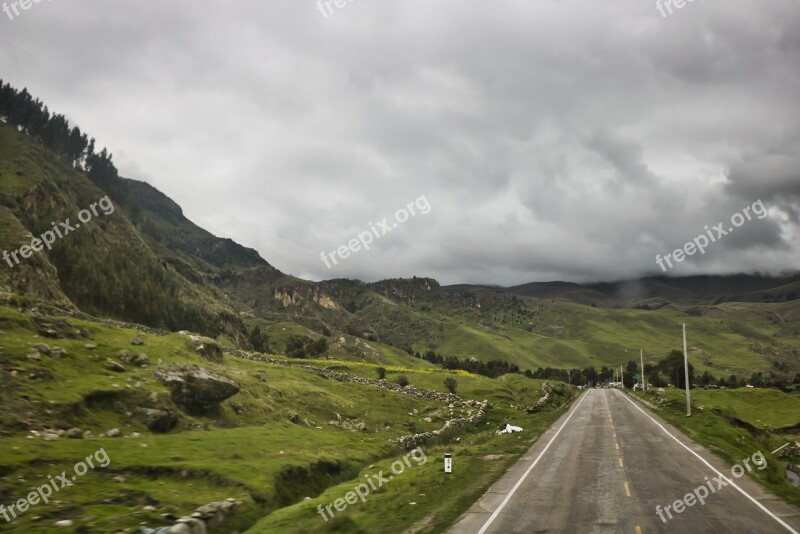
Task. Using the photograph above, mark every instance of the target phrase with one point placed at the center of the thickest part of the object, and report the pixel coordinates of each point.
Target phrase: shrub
(451, 385)
(381, 373)
(402, 381)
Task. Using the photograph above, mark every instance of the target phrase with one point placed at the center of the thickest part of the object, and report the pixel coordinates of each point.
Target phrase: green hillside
(283, 421)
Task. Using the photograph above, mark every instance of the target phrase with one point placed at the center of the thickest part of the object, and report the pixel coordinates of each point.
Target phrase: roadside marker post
(448, 463)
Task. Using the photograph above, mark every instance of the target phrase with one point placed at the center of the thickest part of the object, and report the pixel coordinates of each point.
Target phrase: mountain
(146, 263)
(107, 266)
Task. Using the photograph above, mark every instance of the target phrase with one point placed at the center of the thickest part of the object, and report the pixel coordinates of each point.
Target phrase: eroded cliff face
(297, 296)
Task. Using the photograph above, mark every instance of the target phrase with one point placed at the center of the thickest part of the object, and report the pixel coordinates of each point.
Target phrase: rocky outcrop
(159, 421)
(196, 389)
(57, 328)
(205, 347)
(139, 360)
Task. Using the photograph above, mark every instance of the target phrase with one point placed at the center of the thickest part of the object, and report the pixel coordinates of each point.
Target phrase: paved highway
(606, 465)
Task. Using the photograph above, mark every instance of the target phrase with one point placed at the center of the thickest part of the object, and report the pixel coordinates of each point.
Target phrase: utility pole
(641, 361)
(686, 374)
(621, 378)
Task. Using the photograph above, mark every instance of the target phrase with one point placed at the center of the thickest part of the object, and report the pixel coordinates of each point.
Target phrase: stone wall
(405, 442)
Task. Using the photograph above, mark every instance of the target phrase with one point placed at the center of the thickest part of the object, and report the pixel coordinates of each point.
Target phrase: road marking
(638, 529)
(620, 463)
(617, 445)
(729, 481)
(627, 490)
(525, 475)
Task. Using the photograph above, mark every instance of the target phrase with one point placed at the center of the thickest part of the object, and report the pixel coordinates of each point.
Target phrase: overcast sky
(553, 140)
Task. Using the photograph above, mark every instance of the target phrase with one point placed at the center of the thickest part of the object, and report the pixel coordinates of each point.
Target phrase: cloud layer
(554, 140)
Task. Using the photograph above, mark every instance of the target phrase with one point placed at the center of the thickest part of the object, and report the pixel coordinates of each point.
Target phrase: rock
(138, 340)
(197, 389)
(159, 421)
(74, 433)
(34, 355)
(354, 426)
(114, 433)
(180, 528)
(57, 353)
(41, 374)
(43, 348)
(119, 478)
(58, 329)
(89, 346)
(149, 508)
(117, 367)
(206, 347)
(63, 523)
(294, 417)
(126, 356)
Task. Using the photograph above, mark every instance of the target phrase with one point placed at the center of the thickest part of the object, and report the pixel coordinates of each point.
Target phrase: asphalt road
(606, 465)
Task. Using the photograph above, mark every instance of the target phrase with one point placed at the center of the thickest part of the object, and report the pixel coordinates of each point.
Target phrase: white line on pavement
(731, 482)
(525, 475)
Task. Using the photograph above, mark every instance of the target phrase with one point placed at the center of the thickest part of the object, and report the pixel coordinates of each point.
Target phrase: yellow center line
(617, 445)
(627, 490)
(620, 463)
(638, 529)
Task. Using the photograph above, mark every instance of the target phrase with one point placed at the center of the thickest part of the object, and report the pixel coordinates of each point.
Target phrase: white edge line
(525, 475)
(729, 481)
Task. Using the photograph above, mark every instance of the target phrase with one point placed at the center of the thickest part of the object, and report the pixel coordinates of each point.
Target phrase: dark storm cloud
(553, 140)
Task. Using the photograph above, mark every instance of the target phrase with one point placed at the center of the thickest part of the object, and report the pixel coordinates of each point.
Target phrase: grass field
(740, 338)
(248, 449)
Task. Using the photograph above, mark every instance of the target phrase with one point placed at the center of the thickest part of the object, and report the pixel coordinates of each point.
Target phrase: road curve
(606, 465)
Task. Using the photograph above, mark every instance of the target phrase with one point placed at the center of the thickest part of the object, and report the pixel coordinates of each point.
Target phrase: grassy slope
(39, 188)
(734, 338)
(239, 452)
(422, 498)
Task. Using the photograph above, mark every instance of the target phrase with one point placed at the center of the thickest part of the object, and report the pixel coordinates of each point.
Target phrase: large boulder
(196, 389)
